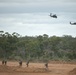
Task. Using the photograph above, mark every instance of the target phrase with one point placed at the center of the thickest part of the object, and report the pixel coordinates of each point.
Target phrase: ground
(54, 68)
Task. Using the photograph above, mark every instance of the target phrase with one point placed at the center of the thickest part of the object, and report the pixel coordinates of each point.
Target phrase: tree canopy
(40, 48)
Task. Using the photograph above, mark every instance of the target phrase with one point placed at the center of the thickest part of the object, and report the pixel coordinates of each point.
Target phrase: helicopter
(73, 23)
(53, 15)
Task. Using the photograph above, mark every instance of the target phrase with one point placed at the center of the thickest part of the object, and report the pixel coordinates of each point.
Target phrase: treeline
(37, 48)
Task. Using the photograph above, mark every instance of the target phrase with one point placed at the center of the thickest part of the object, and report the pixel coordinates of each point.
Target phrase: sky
(31, 17)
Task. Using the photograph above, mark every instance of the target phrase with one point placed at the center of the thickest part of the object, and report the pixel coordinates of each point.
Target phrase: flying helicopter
(73, 23)
(53, 15)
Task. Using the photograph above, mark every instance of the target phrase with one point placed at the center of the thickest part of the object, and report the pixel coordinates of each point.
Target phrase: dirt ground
(13, 68)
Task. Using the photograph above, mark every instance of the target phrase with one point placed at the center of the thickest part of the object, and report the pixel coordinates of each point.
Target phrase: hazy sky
(31, 17)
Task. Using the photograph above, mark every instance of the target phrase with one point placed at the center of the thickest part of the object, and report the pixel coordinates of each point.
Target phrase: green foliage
(39, 48)
(7, 44)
